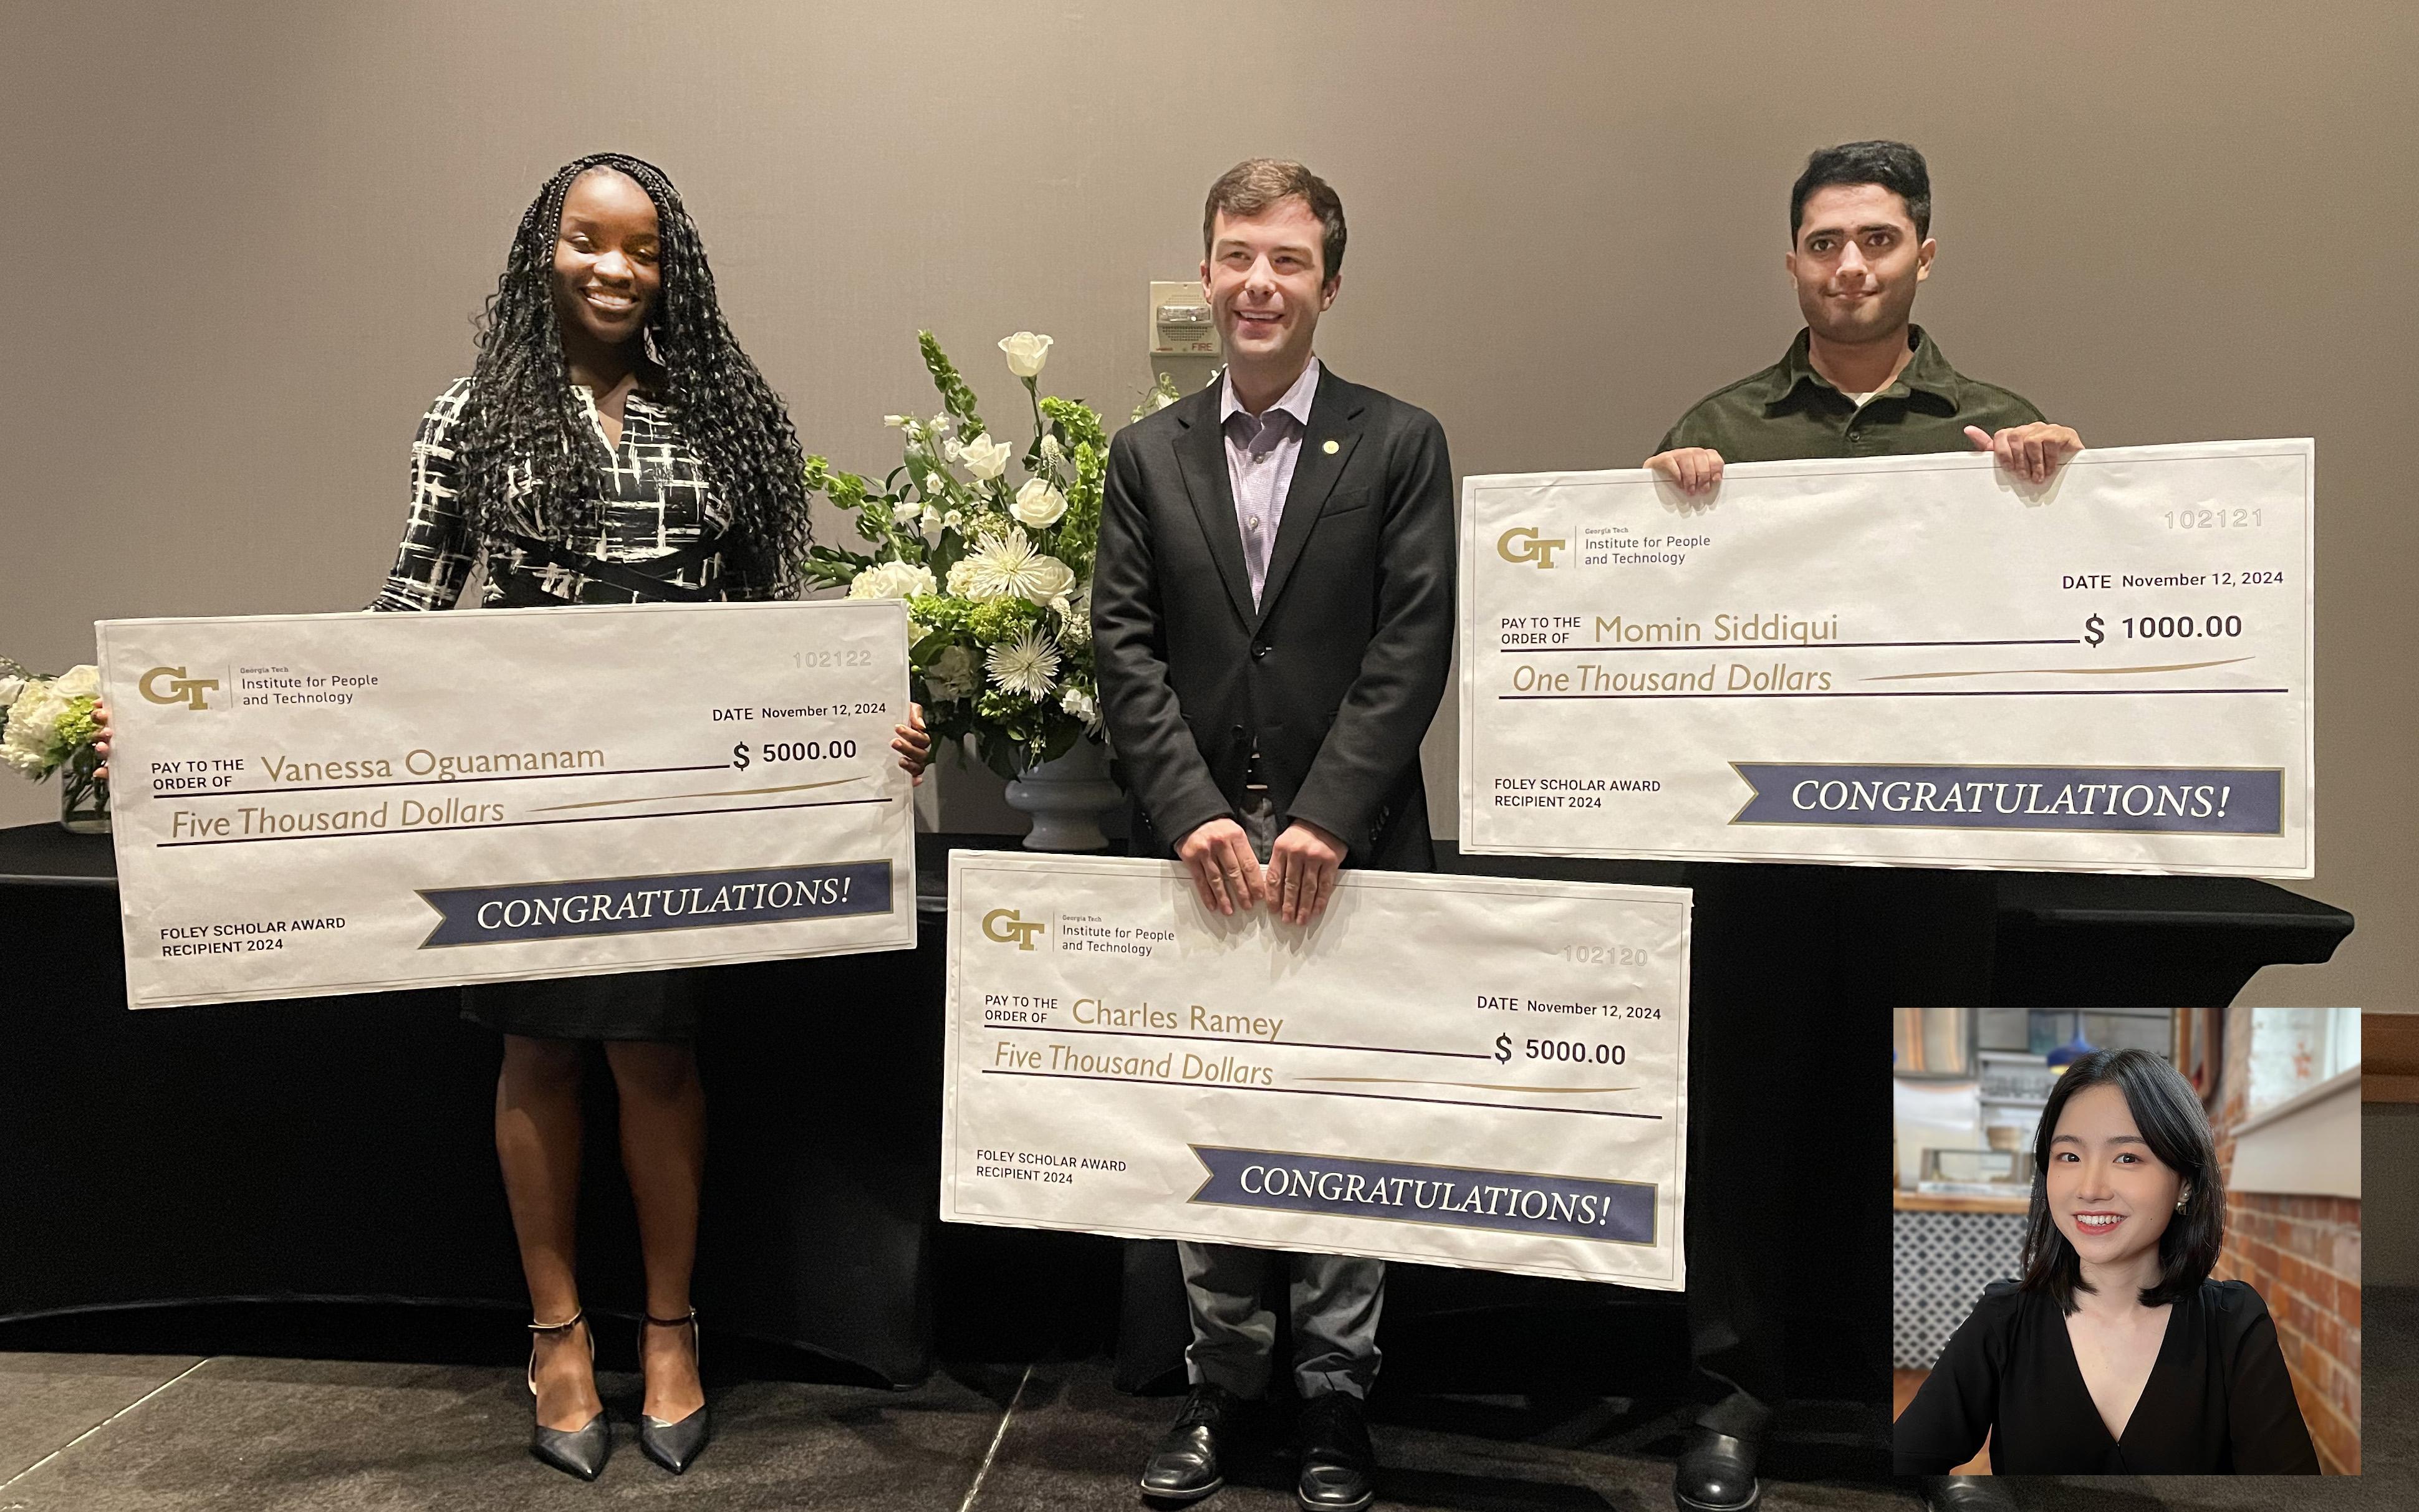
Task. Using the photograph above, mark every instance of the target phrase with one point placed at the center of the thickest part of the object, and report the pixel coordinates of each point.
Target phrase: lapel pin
(1330, 448)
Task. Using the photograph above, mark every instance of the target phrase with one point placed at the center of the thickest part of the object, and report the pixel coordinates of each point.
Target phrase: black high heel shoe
(675, 1446)
(581, 1451)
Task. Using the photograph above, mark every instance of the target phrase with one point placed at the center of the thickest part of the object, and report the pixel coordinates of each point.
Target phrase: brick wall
(2303, 1255)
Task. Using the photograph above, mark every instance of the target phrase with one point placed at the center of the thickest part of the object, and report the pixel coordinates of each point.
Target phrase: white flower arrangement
(996, 574)
(45, 722)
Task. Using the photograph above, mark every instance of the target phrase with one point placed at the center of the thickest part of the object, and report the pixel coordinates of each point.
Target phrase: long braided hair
(530, 458)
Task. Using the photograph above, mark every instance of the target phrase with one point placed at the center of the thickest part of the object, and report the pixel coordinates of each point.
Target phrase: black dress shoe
(1186, 1467)
(1966, 1493)
(1716, 1473)
(674, 1445)
(1336, 1458)
(581, 1451)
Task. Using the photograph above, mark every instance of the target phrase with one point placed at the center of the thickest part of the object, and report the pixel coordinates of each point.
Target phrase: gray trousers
(1334, 1300)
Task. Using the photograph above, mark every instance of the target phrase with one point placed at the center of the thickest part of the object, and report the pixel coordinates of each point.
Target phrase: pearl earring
(2182, 1200)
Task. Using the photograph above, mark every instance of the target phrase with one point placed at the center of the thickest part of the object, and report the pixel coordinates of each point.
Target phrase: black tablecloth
(342, 1149)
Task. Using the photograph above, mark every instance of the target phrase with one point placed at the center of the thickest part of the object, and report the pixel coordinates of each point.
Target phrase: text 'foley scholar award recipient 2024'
(1272, 619)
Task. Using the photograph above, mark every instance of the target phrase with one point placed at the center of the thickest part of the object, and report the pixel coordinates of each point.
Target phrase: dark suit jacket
(1339, 670)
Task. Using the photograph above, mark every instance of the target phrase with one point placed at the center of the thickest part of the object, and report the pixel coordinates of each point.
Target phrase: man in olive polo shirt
(1861, 380)
(1793, 963)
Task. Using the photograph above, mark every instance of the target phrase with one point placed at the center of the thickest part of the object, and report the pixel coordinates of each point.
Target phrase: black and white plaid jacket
(657, 501)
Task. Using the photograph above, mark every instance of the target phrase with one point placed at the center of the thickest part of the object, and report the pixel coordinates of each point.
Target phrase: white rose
(1026, 353)
(891, 580)
(1052, 579)
(1038, 504)
(78, 682)
(984, 457)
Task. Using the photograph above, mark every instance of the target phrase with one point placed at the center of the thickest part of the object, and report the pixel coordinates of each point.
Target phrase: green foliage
(956, 397)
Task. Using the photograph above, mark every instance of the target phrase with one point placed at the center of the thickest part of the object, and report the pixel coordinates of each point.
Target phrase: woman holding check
(613, 445)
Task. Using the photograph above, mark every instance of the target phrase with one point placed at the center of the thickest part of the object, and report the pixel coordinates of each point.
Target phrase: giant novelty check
(1906, 659)
(330, 804)
(1470, 1071)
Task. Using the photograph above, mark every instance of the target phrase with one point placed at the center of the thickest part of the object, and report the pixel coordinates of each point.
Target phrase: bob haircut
(2168, 1112)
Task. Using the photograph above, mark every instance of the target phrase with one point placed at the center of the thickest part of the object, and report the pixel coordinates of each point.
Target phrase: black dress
(2218, 1400)
(661, 519)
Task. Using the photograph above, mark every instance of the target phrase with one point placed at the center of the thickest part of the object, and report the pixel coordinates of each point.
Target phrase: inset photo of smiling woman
(2127, 1243)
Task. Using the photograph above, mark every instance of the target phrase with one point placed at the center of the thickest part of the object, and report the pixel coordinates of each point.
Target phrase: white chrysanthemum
(1007, 566)
(951, 675)
(891, 580)
(984, 457)
(1081, 705)
(1038, 504)
(1029, 665)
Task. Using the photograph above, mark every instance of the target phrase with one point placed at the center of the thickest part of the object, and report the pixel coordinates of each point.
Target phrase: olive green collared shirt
(1789, 411)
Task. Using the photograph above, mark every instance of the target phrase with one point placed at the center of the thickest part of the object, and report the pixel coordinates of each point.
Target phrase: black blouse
(2218, 1400)
(658, 499)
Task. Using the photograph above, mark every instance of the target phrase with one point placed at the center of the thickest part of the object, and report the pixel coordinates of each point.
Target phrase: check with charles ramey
(1912, 659)
(311, 804)
(1474, 1071)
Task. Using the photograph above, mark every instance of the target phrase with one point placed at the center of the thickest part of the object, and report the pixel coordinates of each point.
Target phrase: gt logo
(1004, 926)
(1520, 544)
(181, 689)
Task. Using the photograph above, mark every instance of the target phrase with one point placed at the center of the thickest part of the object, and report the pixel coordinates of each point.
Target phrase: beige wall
(245, 242)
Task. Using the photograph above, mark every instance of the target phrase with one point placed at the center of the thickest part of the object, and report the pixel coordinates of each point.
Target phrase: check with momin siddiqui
(1473, 1071)
(314, 805)
(1910, 661)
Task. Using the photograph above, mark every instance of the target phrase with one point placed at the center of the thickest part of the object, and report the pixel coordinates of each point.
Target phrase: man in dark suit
(1273, 624)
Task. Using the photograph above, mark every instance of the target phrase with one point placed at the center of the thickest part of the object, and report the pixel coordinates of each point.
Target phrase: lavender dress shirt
(1260, 456)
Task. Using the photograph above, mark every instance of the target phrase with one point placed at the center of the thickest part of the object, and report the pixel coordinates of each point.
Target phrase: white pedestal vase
(1067, 798)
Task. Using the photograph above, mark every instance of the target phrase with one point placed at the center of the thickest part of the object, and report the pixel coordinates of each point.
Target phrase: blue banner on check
(2190, 800)
(1514, 1201)
(634, 905)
